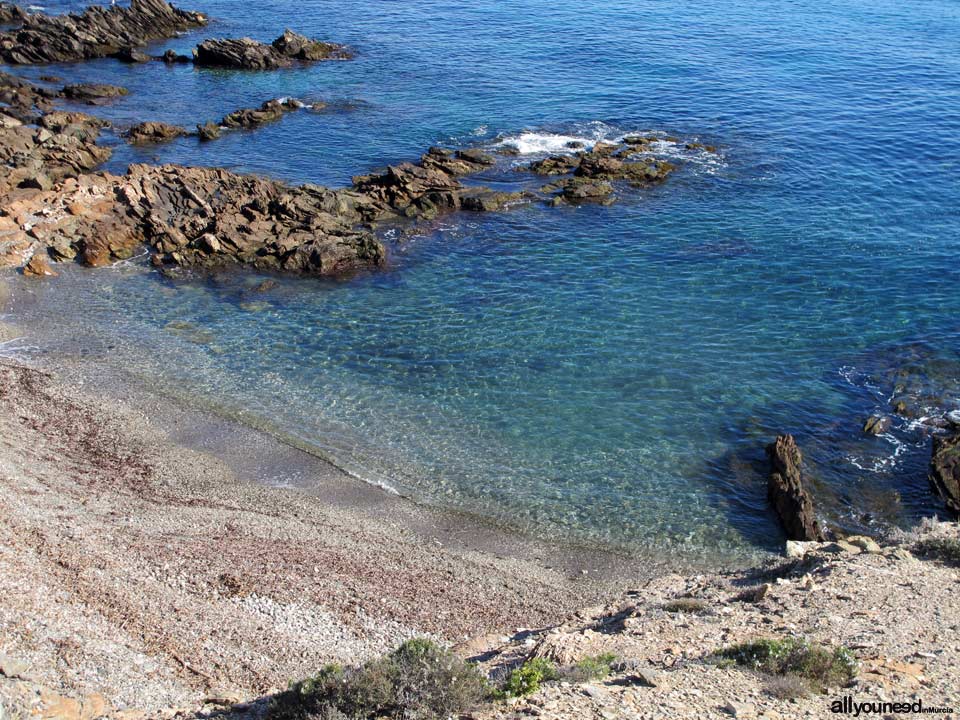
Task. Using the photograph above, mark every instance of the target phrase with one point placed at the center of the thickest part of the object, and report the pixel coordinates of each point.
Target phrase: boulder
(153, 132)
(945, 470)
(208, 131)
(96, 32)
(785, 489)
(39, 266)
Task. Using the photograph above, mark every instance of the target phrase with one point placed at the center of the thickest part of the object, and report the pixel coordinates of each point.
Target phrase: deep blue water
(607, 373)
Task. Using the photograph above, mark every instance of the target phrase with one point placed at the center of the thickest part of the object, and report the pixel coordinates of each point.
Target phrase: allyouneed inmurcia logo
(848, 706)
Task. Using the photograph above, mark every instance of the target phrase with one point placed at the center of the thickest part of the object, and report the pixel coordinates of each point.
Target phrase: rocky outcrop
(153, 132)
(253, 117)
(945, 469)
(249, 54)
(97, 32)
(93, 93)
(299, 47)
(205, 217)
(786, 492)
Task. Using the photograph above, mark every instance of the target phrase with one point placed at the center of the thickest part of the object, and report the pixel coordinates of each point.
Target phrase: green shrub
(417, 681)
(590, 668)
(940, 548)
(526, 679)
(691, 606)
(787, 687)
(818, 664)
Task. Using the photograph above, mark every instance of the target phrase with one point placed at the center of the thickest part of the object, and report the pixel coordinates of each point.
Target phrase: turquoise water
(598, 373)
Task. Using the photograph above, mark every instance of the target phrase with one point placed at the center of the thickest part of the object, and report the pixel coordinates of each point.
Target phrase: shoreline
(150, 578)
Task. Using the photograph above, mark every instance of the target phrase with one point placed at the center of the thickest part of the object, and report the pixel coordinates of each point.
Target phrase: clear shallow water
(604, 373)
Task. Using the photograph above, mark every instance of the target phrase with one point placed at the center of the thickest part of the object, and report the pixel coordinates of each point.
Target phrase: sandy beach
(157, 574)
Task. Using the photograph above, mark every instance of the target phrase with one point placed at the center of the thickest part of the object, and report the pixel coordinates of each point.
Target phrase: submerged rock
(153, 132)
(945, 470)
(93, 93)
(877, 424)
(785, 489)
(97, 32)
(131, 55)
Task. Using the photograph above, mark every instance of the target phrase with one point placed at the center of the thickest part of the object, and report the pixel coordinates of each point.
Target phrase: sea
(606, 375)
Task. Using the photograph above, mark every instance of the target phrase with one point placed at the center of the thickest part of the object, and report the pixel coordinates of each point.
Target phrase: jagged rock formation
(945, 470)
(249, 54)
(786, 491)
(97, 32)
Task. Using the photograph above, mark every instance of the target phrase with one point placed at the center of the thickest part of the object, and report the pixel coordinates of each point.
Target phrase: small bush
(590, 668)
(787, 687)
(940, 548)
(691, 606)
(417, 681)
(818, 664)
(526, 679)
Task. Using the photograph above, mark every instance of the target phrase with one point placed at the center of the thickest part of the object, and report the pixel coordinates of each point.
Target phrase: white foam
(533, 143)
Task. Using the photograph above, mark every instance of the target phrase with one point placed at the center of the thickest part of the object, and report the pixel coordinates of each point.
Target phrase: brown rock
(294, 45)
(39, 266)
(945, 470)
(786, 491)
(93, 93)
(153, 132)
